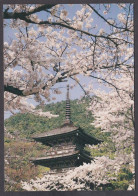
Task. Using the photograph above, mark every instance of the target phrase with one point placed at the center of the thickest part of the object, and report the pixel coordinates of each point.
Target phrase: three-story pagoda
(67, 144)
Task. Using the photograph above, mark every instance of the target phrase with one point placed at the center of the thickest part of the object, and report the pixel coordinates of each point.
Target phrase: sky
(76, 92)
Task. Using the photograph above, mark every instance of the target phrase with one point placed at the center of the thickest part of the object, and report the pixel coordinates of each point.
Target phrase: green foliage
(125, 174)
(128, 150)
(18, 166)
(124, 179)
(25, 125)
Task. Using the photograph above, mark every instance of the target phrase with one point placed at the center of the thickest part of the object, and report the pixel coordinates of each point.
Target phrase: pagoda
(66, 145)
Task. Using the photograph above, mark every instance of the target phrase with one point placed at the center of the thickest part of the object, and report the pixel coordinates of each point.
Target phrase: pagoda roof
(66, 128)
(48, 160)
(50, 157)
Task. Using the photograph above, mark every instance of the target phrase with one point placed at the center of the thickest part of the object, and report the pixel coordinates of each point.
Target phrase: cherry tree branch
(79, 85)
(24, 16)
(111, 84)
(11, 15)
(13, 90)
(115, 26)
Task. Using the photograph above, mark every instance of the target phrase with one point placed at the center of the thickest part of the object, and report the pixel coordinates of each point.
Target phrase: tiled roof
(62, 155)
(55, 156)
(63, 129)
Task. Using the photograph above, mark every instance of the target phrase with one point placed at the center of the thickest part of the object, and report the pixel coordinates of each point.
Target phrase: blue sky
(76, 92)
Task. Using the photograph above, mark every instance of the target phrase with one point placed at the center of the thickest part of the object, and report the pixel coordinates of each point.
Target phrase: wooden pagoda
(67, 144)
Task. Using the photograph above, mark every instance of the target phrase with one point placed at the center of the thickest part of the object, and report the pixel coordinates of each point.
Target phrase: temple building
(67, 144)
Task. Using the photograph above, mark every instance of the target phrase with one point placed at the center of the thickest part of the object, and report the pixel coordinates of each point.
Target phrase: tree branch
(79, 85)
(13, 90)
(126, 29)
(23, 16)
(11, 15)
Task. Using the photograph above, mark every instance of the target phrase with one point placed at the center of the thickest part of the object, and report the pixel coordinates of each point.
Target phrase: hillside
(25, 125)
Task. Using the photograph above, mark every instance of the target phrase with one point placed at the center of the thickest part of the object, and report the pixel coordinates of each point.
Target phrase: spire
(67, 107)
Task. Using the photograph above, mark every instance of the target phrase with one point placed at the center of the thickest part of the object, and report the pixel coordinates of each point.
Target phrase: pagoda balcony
(63, 160)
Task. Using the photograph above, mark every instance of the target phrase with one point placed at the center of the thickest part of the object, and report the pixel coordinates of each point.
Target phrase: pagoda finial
(67, 107)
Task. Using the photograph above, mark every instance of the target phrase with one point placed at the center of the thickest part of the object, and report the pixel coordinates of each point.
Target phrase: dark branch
(23, 16)
(80, 85)
(11, 15)
(13, 90)
(115, 26)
